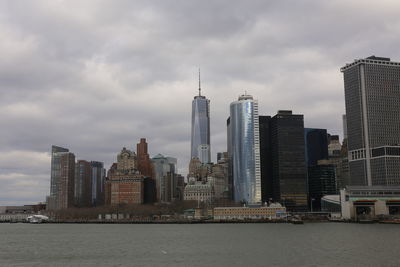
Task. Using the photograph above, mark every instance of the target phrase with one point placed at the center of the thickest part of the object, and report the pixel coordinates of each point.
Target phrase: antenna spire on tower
(199, 84)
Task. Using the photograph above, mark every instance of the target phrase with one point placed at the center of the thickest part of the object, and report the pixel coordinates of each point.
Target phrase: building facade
(274, 211)
(244, 149)
(266, 159)
(199, 191)
(56, 153)
(62, 179)
(163, 168)
(98, 179)
(316, 145)
(370, 202)
(321, 182)
(372, 93)
(144, 164)
(125, 184)
(65, 186)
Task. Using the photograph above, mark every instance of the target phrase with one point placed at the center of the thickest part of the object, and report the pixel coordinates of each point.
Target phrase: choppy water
(311, 244)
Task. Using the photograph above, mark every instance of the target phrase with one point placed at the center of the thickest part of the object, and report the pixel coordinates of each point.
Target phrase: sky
(96, 76)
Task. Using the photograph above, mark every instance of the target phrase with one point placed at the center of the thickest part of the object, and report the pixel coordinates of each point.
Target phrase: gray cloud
(95, 76)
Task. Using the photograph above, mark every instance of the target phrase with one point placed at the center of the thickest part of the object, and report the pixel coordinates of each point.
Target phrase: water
(311, 244)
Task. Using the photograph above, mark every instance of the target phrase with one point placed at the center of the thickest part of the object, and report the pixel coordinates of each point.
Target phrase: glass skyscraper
(244, 150)
(200, 128)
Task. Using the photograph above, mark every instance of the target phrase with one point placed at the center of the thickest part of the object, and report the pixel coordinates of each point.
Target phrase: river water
(311, 244)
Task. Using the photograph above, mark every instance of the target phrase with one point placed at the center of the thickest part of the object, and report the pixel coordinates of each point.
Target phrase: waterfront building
(83, 183)
(200, 135)
(316, 145)
(244, 149)
(289, 173)
(273, 211)
(371, 88)
(368, 202)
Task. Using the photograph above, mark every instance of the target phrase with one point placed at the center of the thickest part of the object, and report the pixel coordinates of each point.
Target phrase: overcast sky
(95, 76)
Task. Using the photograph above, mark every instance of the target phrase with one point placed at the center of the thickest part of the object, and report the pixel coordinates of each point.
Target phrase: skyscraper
(98, 177)
(65, 183)
(289, 174)
(244, 149)
(62, 178)
(83, 183)
(266, 158)
(56, 153)
(372, 96)
(200, 127)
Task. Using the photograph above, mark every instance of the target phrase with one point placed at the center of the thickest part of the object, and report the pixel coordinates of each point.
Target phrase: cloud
(96, 76)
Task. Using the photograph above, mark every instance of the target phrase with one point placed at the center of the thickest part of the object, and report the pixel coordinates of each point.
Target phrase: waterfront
(311, 244)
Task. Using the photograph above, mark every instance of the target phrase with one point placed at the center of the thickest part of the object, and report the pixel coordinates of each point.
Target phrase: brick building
(125, 184)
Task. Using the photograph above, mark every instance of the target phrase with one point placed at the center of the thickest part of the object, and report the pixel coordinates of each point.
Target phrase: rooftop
(371, 60)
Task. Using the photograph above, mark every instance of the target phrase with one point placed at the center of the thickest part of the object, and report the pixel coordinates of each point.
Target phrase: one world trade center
(200, 145)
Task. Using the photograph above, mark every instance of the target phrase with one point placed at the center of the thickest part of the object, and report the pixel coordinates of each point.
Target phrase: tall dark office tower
(200, 143)
(83, 183)
(98, 176)
(316, 145)
(372, 94)
(289, 175)
(265, 158)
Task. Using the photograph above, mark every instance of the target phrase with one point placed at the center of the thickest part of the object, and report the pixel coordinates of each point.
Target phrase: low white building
(369, 202)
(273, 211)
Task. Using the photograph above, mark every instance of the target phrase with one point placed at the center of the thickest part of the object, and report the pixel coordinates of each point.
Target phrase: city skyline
(104, 80)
